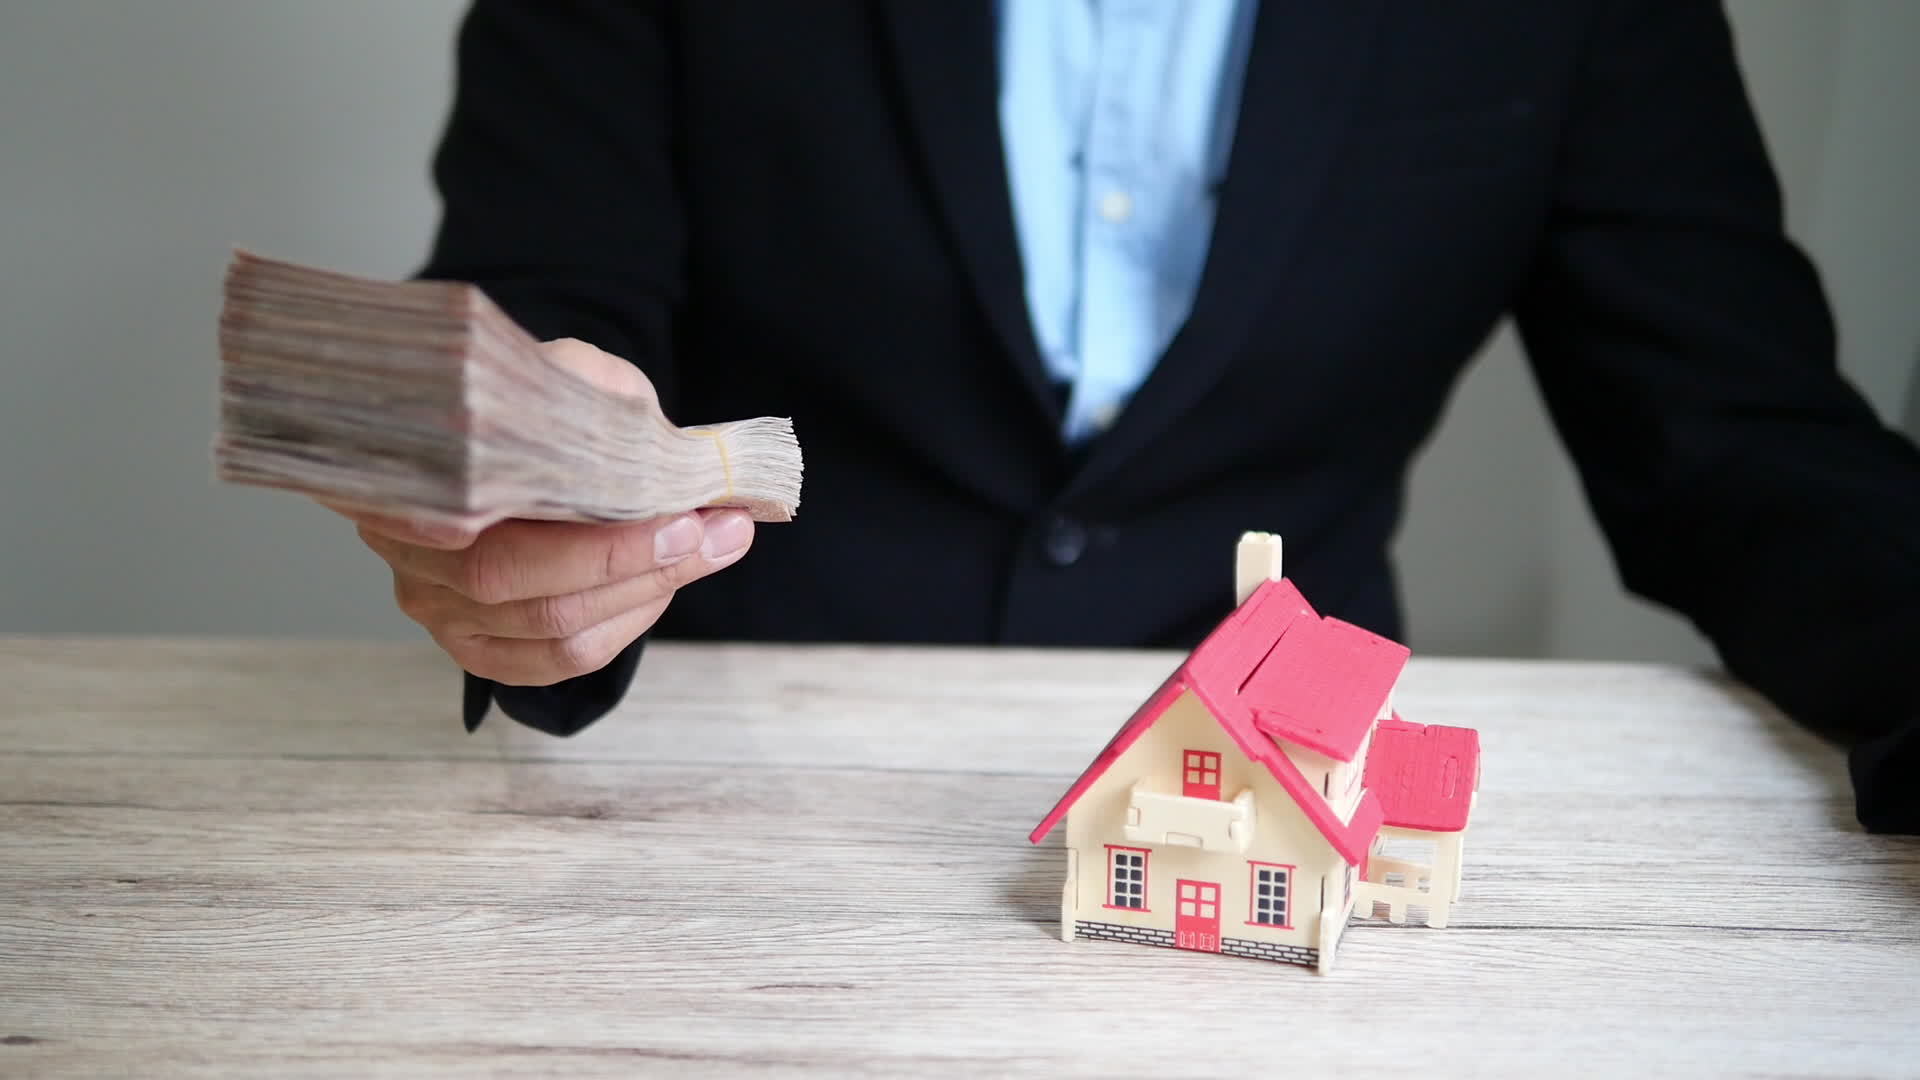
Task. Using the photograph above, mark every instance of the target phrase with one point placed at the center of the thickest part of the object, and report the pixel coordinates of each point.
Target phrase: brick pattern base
(1261, 950)
(1253, 950)
(1138, 935)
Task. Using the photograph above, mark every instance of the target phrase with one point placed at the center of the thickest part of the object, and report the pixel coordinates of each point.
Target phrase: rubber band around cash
(726, 464)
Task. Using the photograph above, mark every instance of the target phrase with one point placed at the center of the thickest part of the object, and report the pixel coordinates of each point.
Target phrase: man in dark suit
(837, 211)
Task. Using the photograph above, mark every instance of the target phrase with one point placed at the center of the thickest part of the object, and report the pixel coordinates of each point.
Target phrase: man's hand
(530, 603)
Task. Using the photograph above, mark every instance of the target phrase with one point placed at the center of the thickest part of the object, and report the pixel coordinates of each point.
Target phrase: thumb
(601, 368)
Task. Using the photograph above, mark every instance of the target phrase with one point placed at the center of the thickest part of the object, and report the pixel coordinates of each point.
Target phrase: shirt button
(1116, 206)
(1065, 542)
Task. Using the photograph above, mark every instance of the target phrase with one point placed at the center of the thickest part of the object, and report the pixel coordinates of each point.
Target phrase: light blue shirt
(1117, 117)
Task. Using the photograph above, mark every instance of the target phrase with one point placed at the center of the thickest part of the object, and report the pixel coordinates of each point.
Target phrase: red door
(1196, 920)
(1202, 775)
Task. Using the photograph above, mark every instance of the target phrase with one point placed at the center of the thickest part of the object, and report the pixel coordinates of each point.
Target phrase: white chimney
(1258, 560)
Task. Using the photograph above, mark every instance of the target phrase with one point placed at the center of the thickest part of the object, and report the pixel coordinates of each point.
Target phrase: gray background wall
(140, 141)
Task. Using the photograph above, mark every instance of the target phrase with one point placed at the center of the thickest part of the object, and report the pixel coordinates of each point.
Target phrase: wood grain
(228, 859)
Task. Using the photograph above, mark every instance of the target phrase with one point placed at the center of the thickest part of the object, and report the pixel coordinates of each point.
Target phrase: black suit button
(1065, 541)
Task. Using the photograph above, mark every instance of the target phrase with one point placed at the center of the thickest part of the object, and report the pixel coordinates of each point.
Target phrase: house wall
(1282, 835)
(1340, 779)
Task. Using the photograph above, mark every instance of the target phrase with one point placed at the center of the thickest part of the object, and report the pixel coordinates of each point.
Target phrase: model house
(1245, 806)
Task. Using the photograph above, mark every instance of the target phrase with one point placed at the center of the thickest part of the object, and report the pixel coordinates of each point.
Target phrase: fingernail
(726, 534)
(677, 539)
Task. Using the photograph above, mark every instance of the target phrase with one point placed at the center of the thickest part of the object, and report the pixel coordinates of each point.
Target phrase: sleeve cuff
(1885, 770)
(565, 708)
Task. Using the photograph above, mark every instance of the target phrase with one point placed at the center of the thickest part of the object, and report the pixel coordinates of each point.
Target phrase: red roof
(1277, 668)
(1295, 675)
(1323, 685)
(1425, 774)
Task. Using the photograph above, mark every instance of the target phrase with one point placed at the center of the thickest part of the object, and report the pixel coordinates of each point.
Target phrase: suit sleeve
(1685, 349)
(556, 178)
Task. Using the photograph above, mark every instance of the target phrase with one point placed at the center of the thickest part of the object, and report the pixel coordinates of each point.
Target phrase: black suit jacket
(801, 210)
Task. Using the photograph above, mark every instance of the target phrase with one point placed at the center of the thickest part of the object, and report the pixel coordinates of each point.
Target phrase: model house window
(1271, 884)
(1127, 878)
(1202, 775)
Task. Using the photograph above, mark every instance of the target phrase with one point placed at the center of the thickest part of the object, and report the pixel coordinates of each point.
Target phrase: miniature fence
(1402, 883)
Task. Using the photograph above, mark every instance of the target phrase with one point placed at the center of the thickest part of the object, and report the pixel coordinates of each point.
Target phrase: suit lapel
(1305, 58)
(947, 69)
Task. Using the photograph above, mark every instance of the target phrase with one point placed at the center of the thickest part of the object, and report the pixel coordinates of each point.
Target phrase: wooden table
(258, 859)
